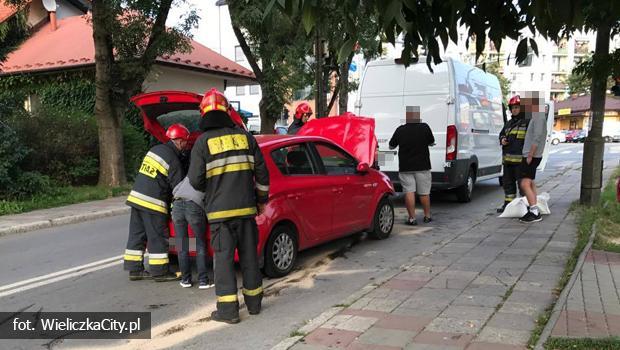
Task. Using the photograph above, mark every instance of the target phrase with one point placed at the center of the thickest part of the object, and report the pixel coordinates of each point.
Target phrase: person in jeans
(188, 209)
(414, 163)
(533, 148)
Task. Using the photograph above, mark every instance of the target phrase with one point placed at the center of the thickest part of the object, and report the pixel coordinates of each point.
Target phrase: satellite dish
(49, 5)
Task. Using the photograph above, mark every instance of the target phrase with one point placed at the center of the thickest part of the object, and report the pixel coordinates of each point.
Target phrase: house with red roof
(63, 43)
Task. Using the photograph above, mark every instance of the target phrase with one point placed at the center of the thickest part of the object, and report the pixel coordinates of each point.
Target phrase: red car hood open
(354, 134)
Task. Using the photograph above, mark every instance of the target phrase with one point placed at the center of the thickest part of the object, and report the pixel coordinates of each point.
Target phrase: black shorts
(528, 171)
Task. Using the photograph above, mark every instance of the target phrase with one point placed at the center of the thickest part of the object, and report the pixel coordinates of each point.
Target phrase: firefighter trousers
(510, 180)
(149, 229)
(242, 234)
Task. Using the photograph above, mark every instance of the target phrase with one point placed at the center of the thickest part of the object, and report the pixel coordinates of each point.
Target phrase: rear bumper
(452, 177)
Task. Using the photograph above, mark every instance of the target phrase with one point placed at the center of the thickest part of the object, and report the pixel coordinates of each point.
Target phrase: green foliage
(580, 79)
(281, 46)
(58, 196)
(135, 147)
(12, 33)
(504, 82)
(611, 343)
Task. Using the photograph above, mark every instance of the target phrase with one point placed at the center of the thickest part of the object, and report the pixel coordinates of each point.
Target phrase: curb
(557, 309)
(65, 220)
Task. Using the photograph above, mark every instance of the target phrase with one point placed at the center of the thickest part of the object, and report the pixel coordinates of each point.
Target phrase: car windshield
(190, 118)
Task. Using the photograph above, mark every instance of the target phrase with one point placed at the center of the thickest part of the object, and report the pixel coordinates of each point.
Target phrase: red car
(320, 189)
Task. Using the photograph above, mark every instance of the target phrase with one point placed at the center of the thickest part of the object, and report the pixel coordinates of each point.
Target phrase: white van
(461, 104)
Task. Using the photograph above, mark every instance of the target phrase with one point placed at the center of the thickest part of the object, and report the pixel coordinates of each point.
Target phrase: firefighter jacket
(514, 131)
(160, 172)
(295, 126)
(227, 164)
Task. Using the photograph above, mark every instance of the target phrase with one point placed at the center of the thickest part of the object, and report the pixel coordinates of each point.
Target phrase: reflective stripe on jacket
(228, 165)
(514, 131)
(159, 173)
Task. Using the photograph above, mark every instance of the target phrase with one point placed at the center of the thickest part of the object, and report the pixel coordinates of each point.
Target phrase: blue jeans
(186, 212)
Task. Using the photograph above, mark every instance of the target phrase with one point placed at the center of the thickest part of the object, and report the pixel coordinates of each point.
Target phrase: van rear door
(381, 97)
(430, 92)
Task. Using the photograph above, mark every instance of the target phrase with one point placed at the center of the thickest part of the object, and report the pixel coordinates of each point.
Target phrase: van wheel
(463, 193)
(383, 221)
(280, 251)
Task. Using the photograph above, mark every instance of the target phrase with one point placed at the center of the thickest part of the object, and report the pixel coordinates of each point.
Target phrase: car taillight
(451, 141)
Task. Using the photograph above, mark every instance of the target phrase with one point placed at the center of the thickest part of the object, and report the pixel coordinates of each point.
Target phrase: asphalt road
(77, 268)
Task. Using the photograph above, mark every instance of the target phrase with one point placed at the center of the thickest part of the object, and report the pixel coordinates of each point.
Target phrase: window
(239, 56)
(531, 76)
(542, 76)
(335, 161)
(240, 90)
(293, 160)
(254, 89)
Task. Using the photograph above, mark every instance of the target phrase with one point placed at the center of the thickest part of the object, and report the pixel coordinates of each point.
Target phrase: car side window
(293, 160)
(335, 161)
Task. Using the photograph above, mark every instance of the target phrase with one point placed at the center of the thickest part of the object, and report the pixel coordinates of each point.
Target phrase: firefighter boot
(227, 312)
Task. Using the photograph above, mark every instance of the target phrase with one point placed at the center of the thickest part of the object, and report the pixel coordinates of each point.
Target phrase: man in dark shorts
(533, 148)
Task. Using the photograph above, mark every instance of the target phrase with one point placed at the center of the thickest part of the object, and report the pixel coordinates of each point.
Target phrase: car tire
(464, 192)
(555, 141)
(280, 251)
(608, 139)
(383, 221)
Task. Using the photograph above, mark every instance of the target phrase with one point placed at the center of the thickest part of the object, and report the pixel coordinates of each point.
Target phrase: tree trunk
(343, 99)
(594, 147)
(111, 159)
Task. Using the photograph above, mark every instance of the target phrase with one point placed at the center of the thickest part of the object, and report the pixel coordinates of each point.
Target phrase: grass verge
(612, 343)
(606, 215)
(61, 196)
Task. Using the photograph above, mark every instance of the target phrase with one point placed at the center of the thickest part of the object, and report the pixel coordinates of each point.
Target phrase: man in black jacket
(414, 163)
(150, 199)
(512, 138)
(227, 165)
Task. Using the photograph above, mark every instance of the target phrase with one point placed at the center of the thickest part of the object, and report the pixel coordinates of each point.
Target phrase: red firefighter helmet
(515, 100)
(303, 108)
(214, 100)
(177, 131)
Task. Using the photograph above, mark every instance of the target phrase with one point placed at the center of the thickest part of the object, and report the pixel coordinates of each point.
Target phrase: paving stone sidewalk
(482, 289)
(592, 308)
(69, 214)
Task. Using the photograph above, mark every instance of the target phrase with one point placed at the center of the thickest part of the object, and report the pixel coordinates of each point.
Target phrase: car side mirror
(362, 168)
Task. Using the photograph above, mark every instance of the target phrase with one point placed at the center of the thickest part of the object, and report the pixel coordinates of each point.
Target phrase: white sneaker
(186, 284)
(205, 284)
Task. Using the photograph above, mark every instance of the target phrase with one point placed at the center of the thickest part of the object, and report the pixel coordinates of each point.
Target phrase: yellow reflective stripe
(158, 261)
(158, 159)
(132, 257)
(230, 168)
(231, 213)
(230, 160)
(147, 205)
(512, 158)
(218, 107)
(151, 162)
(227, 143)
(253, 292)
(227, 298)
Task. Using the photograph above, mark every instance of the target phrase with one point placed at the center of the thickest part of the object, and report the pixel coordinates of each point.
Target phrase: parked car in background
(611, 131)
(321, 187)
(280, 130)
(557, 137)
(576, 136)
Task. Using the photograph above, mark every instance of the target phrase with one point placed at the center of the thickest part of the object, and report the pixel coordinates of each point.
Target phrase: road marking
(59, 276)
(554, 151)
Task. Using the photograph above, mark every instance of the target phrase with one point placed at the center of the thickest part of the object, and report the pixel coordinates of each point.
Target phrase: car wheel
(464, 193)
(383, 221)
(608, 139)
(281, 251)
(555, 141)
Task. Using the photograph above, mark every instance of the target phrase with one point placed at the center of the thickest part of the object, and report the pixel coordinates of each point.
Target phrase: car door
(308, 193)
(351, 191)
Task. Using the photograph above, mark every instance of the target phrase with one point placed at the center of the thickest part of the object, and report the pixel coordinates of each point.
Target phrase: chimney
(53, 20)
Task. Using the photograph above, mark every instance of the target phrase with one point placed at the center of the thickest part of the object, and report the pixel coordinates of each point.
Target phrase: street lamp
(219, 4)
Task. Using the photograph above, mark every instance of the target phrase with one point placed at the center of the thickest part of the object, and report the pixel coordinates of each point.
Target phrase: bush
(135, 147)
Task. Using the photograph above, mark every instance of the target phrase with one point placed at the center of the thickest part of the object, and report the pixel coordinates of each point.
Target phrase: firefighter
(303, 112)
(227, 164)
(150, 198)
(512, 138)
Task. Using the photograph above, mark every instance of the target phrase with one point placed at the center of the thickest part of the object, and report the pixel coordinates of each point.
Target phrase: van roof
(392, 61)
